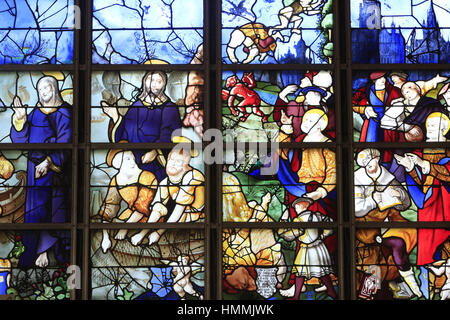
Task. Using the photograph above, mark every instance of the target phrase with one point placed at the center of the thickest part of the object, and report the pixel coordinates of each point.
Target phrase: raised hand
(405, 162)
(290, 89)
(20, 111)
(110, 111)
(286, 119)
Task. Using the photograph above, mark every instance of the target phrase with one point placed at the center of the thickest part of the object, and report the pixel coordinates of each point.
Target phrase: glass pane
(33, 264)
(146, 107)
(36, 107)
(156, 32)
(277, 31)
(257, 189)
(172, 268)
(254, 103)
(403, 31)
(147, 186)
(401, 185)
(402, 264)
(295, 264)
(394, 106)
(35, 186)
(36, 31)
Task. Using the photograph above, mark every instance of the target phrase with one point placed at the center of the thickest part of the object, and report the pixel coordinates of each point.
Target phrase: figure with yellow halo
(180, 197)
(131, 184)
(380, 197)
(47, 198)
(309, 172)
(152, 118)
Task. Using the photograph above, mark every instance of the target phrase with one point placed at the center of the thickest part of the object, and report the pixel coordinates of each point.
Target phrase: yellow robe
(138, 196)
(190, 192)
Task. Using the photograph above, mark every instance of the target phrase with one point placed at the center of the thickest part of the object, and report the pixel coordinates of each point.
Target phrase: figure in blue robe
(147, 123)
(48, 196)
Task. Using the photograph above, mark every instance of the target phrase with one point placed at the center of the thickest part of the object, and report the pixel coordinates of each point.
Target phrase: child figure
(313, 259)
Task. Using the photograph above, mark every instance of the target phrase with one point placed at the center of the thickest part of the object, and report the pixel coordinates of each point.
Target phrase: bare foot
(137, 239)
(121, 234)
(106, 244)
(42, 260)
(153, 238)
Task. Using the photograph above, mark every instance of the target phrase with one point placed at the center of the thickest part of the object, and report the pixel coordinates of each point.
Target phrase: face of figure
(177, 164)
(398, 81)
(301, 206)
(124, 161)
(373, 166)
(312, 122)
(45, 90)
(313, 98)
(410, 92)
(156, 84)
(435, 128)
(380, 83)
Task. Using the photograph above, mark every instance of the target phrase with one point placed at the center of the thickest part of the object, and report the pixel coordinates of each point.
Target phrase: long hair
(146, 91)
(57, 99)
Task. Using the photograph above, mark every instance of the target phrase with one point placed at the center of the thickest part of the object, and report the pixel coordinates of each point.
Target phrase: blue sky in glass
(40, 32)
(409, 14)
(164, 30)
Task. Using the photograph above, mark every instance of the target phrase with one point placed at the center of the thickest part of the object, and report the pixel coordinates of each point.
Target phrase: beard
(173, 171)
(372, 171)
(47, 99)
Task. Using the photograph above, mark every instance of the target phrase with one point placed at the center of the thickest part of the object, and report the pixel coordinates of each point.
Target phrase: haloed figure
(152, 118)
(47, 196)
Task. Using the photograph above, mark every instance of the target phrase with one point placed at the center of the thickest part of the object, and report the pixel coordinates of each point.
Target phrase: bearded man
(152, 118)
(180, 197)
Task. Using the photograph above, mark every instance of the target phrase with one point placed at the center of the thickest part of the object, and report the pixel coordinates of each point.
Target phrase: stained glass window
(229, 150)
(170, 269)
(27, 104)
